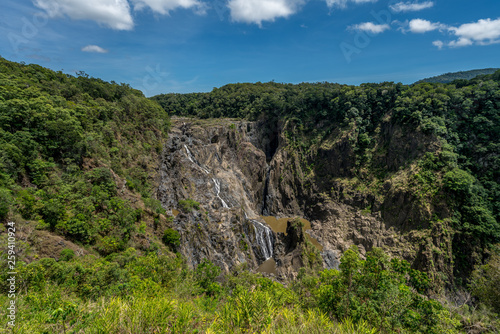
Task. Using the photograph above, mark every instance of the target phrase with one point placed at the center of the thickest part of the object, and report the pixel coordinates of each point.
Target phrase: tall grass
(244, 312)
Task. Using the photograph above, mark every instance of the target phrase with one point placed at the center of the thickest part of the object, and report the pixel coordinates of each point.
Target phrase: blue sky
(162, 46)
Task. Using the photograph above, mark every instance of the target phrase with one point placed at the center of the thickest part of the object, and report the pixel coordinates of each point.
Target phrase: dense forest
(78, 167)
(461, 75)
(462, 115)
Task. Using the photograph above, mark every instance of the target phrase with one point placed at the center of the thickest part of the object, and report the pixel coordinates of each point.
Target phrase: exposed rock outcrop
(239, 171)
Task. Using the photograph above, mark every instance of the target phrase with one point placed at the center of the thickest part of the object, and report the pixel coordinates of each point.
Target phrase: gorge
(314, 207)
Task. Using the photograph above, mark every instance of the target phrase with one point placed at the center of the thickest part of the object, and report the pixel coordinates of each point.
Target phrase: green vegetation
(379, 289)
(67, 146)
(455, 125)
(486, 280)
(187, 205)
(171, 238)
(77, 159)
(461, 75)
(128, 292)
(66, 254)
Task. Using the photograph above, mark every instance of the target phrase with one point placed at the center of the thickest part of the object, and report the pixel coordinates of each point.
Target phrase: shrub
(26, 203)
(154, 205)
(205, 275)
(171, 238)
(78, 228)
(53, 212)
(187, 205)
(108, 245)
(5, 202)
(377, 290)
(459, 181)
(486, 280)
(103, 178)
(66, 254)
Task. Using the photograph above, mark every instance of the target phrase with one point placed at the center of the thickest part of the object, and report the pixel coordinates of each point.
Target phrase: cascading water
(264, 237)
(206, 171)
(193, 160)
(189, 154)
(217, 191)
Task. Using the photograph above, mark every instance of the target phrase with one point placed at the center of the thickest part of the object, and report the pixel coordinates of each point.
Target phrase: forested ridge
(78, 170)
(461, 75)
(462, 115)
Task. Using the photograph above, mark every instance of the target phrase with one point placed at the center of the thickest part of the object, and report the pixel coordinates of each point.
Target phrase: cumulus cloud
(460, 42)
(438, 44)
(343, 3)
(371, 27)
(165, 6)
(411, 6)
(112, 13)
(256, 11)
(482, 32)
(420, 26)
(94, 48)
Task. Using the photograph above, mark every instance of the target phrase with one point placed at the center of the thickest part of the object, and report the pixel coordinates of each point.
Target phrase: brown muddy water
(278, 225)
(268, 266)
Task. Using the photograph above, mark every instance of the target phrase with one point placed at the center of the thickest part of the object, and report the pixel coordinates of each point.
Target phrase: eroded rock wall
(239, 171)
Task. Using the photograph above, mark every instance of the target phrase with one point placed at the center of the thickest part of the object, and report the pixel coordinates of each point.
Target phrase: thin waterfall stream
(265, 238)
(217, 190)
(193, 160)
(206, 171)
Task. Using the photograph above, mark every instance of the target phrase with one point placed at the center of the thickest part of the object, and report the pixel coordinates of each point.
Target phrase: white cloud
(165, 6)
(343, 3)
(411, 6)
(94, 48)
(112, 13)
(371, 27)
(438, 44)
(256, 11)
(420, 26)
(484, 31)
(460, 42)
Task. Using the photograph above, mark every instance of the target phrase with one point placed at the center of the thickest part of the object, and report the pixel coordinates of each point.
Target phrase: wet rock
(239, 170)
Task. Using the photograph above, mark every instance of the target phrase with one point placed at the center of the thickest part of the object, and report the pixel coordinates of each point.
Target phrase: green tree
(5, 203)
(485, 280)
(205, 274)
(171, 238)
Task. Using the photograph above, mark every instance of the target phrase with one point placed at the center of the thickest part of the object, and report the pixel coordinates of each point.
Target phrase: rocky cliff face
(241, 172)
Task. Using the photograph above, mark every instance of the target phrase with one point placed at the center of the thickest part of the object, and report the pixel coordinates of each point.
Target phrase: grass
(251, 312)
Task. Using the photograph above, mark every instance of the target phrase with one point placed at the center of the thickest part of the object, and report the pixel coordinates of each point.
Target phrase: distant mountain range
(467, 75)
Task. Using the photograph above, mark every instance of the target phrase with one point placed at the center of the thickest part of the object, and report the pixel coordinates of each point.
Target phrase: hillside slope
(227, 211)
(78, 159)
(423, 159)
(461, 75)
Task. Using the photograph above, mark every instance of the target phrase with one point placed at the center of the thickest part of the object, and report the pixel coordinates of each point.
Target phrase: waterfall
(206, 171)
(217, 191)
(264, 237)
(193, 160)
(189, 154)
